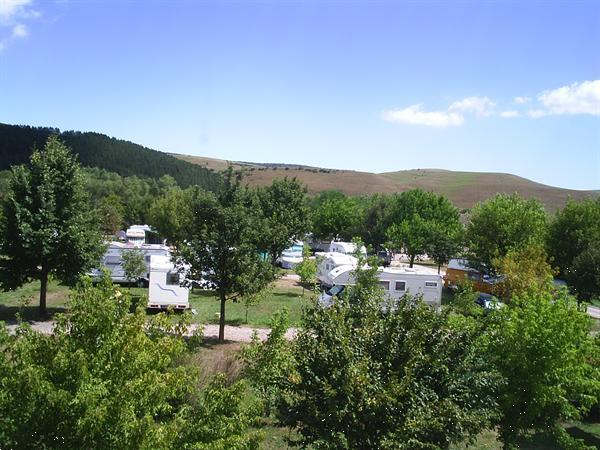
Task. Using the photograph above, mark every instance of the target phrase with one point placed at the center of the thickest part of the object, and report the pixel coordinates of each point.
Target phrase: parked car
(488, 302)
(326, 297)
(385, 257)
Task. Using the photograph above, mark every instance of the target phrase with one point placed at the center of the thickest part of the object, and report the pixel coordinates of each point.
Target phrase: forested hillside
(99, 150)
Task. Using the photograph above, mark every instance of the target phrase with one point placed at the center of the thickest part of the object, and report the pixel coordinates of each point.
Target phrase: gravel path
(211, 332)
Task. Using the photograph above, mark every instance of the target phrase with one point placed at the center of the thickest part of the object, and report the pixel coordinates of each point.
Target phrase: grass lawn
(284, 295)
(26, 301)
(259, 315)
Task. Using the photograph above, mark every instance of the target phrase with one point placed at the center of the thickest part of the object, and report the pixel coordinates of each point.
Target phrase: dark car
(488, 301)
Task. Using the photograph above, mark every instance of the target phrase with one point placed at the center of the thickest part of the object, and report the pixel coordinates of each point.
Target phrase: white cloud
(537, 113)
(521, 100)
(11, 9)
(510, 114)
(577, 98)
(414, 115)
(12, 15)
(20, 31)
(480, 106)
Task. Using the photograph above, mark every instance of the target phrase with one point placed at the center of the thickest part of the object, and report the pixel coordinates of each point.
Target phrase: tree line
(98, 150)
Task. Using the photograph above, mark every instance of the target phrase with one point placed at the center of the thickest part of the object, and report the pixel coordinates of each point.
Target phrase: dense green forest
(99, 150)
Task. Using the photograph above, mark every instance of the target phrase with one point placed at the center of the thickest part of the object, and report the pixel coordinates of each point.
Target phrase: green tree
(334, 215)
(133, 263)
(109, 379)
(574, 242)
(111, 211)
(445, 242)
(307, 269)
(542, 346)
(524, 270)
(285, 215)
(422, 221)
(171, 214)
(48, 227)
(222, 246)
(366, 373)
(503, 223)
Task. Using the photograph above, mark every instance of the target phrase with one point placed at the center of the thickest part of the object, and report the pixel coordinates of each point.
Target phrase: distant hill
(99, 150)
(465, 189)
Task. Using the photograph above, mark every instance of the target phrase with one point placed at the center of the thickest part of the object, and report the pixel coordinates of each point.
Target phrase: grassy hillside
(99, 150)
(463, 188)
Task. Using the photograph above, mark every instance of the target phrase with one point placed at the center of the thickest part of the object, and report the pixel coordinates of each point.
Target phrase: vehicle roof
(460, 264)
(405, 269)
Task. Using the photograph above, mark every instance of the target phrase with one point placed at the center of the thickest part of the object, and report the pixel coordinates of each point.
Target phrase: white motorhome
(396, 281)
(112, 259)
(165, 285)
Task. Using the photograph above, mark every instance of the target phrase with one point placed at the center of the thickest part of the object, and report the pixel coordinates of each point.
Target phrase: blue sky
(377, 86)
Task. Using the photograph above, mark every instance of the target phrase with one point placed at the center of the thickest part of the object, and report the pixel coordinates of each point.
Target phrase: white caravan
(165, 287)
(346, 248)
(112, 259)
(292, 256)
(396, 281)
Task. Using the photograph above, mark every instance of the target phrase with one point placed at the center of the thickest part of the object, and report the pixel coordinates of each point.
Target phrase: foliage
(307, 268)
(542, 347)
(423, 221)
(133, 263)
(223, 244)
(503, 223)
(375, 374)
(108, 379)
(48, 227)
(376, 221)
(269, 363)
(523, 270)
(334, 215)
(285, 215)
(574, 245)
(98, 150)
(171, 214)
(111, 211)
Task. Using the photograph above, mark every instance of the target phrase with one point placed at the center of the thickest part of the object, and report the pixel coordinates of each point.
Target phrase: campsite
(323, 225)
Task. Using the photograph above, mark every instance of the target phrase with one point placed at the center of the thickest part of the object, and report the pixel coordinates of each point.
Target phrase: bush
(107, 379)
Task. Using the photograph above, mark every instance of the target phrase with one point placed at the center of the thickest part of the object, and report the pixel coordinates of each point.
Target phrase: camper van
(459, 270)
(332, 265)
(165, 285)
(396, 281)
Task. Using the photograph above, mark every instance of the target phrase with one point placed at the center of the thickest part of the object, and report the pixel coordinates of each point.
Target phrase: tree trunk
(43, 289)
(412, 260)
(222, 318)
(439, 267)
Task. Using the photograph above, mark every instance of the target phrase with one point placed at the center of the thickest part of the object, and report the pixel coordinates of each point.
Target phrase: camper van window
(473, 276)
(147, 259)
(431, 284)
(385, 285)
(400, 285)
(173, 278)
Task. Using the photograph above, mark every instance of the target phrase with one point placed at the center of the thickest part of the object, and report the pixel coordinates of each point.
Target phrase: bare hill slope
(463, 188)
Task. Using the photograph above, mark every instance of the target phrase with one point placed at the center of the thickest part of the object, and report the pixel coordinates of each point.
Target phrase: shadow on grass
(8, 314)
(287, 294)
(539, 441)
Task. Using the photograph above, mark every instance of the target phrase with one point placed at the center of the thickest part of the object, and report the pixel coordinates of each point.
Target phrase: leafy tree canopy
(503, 223)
